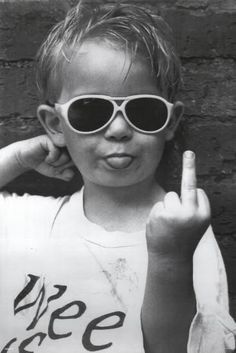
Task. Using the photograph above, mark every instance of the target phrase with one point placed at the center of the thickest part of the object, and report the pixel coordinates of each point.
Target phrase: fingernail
(189, 154)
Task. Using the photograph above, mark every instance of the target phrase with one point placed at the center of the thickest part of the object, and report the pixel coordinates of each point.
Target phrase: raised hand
(40, 154)
(176, 224)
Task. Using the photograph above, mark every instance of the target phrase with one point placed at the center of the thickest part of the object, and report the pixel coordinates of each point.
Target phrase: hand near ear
(177, 224)
(39, 153)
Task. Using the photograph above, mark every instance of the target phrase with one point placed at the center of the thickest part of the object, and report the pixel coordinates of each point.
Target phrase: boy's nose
(119, 129)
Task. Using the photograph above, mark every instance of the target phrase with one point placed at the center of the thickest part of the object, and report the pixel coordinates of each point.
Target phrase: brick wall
(205, 33)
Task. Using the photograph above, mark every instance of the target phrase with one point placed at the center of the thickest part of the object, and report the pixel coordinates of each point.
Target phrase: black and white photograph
(117, 176)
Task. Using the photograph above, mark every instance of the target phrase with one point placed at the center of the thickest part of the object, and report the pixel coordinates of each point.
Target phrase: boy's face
(101, 69)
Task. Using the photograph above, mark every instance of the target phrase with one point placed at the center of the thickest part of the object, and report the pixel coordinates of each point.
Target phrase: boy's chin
(123, 182)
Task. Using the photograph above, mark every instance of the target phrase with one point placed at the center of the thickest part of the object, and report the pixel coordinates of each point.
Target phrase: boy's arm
(38, 153)
(169, 306)
(10, 168)
(174, 229)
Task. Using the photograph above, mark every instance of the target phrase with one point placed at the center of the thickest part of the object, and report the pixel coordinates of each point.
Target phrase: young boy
(76, 271)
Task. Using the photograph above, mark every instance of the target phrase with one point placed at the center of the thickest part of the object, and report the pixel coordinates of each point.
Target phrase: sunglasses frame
(62, 109)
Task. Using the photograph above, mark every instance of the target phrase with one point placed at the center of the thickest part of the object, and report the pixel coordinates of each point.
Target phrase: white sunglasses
(88, 114)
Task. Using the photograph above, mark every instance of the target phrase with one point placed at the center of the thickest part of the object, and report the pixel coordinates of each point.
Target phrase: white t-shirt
(68, 286)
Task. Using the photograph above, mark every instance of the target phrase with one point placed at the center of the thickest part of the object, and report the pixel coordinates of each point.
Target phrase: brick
(222, 195)
(209, 32)
(209, 88)
(215, 145)
(18, 91)
(24, 24)
(16, 128)
(203, 33)
(217, 5)
(192, 4)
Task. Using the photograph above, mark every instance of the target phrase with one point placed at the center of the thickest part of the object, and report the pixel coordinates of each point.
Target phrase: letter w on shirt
(24, 301)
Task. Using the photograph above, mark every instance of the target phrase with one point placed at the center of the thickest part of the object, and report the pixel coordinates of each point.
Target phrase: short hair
(139, 30)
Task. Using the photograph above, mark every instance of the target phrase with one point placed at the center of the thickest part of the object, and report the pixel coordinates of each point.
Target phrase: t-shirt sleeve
(212, 329)
(26, 215)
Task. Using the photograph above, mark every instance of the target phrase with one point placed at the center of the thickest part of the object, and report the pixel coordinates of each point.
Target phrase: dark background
(205, 35)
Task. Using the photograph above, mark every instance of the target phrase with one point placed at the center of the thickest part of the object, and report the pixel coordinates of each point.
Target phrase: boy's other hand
(39, 153)
(176, 224)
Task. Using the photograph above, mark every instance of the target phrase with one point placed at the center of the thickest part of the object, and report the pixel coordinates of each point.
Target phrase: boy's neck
(121, 208)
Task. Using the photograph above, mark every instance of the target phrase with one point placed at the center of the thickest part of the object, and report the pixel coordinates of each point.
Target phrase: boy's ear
(51, 123)
(176, 115)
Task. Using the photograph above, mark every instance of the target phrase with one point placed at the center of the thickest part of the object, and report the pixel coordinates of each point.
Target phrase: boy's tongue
(119, 162)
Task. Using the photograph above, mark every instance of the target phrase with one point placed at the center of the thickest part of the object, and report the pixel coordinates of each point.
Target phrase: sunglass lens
(147, 114)
(89, 114)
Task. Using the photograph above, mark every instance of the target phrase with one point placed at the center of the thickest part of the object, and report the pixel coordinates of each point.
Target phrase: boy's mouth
(119, 160)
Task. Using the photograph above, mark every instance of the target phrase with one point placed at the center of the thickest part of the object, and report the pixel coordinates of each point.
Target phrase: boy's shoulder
(27, 200)
(14, 197)
(27, 212)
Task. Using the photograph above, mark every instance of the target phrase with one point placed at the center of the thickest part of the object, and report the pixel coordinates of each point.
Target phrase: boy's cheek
(88, 152)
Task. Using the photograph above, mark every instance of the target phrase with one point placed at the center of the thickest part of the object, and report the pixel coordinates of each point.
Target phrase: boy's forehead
(98, 57)
(100, 68)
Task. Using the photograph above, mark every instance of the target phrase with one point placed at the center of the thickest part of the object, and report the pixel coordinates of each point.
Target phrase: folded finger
(53, 155)
(172, 201)
(62, 158)
(64, 173)
(203, 203)
(156, 210)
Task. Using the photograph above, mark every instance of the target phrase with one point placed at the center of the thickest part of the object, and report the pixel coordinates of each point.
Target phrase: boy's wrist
(171, 267)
